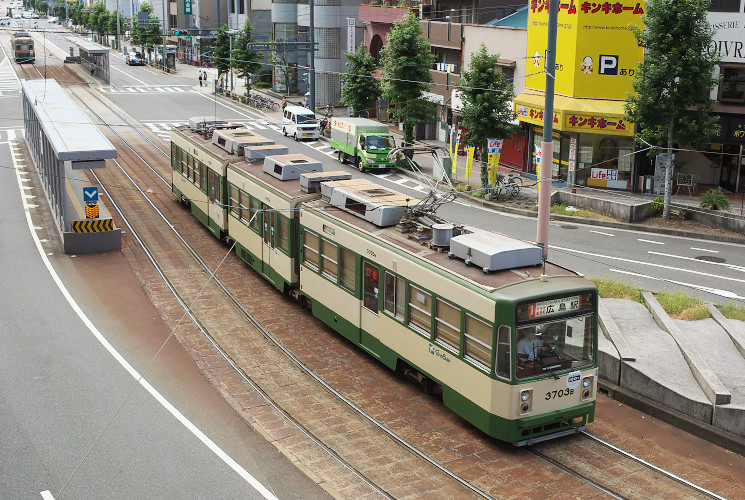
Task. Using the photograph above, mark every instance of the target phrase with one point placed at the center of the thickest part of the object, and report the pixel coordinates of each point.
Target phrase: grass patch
(732, 311)
(613, 289)
(562, 209)
(679, 305)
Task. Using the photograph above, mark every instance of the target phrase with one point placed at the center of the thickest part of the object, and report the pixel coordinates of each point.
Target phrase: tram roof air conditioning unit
(289, 167)
(493, 252)
(368, 201)
(255, 154)
(311, 182)
(235, 140)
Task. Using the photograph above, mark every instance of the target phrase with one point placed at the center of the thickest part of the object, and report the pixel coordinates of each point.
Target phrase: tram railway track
(489, 466)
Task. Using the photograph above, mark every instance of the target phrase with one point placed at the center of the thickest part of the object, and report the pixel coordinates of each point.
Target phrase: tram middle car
(23, 47)
(510, 343)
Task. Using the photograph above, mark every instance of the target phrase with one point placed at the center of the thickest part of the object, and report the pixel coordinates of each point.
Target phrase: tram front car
(554, 355)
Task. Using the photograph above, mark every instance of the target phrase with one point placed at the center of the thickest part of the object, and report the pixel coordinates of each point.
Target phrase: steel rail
(665, 473)
(205, 333)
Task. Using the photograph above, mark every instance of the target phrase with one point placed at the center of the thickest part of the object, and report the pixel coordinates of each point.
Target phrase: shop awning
(594, 116)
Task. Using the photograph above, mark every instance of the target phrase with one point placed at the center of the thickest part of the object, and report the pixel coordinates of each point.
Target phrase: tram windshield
(545, 348)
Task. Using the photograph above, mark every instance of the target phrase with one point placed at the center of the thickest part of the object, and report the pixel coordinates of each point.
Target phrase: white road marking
(47, 495)
(723, 264)
(125, 364)
(600, 232)
(132, 77)
(704, 250)
(651, 264)
(650, 241)
(714, 291)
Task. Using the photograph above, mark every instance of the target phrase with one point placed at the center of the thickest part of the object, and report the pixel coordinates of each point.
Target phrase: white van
(300, 123)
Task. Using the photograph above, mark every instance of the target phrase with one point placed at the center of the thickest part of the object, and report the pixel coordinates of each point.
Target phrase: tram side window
(503, 366)
(235, 208)
(370, 287)
(184, 165)
(283, 233)
(189, 167)
(420, 309)
(310, 249)
(254, 208)
(329, 266)
(395, 296)
(478, 341)
(245, 213)
(447, 325)
(348, 266)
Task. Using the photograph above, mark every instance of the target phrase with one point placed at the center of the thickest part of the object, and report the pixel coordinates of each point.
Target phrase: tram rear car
(23, 47)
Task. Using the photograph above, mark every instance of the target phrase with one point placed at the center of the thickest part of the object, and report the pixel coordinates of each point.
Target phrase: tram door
(269, 251)
(369, 319)
(215, 209)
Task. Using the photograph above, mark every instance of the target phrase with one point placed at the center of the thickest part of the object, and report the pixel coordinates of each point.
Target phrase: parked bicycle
(510, 184)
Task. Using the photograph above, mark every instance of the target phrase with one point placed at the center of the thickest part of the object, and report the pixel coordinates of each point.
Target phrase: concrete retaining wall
(626, 212)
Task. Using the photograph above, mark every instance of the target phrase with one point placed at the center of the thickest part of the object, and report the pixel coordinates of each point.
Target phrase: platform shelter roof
(87, 45)
(69, 131)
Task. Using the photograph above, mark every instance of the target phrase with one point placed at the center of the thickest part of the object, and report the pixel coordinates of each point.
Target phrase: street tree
(279, 61)
(149, 35)
(99, 20)
(487, 103)
(246, 62)
(407, 60)
(670, 101)
(361, 87)
(221, 50)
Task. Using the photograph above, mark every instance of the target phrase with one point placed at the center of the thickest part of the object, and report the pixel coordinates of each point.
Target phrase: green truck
(363, 142)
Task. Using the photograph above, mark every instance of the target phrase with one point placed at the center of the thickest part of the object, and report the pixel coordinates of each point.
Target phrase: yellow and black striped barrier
(92, 226)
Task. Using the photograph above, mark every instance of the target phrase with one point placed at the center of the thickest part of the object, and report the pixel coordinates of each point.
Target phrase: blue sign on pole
(90, 193)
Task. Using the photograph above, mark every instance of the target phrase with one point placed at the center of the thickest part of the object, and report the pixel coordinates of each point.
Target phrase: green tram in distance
(507, 341)
(23, 47)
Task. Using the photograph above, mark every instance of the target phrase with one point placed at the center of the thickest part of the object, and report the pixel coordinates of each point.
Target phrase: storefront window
(604, 161)
(732, 88)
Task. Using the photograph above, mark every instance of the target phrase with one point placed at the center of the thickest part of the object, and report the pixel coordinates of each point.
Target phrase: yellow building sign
(596, 53)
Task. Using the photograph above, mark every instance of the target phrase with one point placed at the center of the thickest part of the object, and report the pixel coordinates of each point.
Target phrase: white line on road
(650, 241)
(125, 364)
(704, 250)
(722, 264)
(47, 495)
(714, 291)
(600, 232)
(652, 264)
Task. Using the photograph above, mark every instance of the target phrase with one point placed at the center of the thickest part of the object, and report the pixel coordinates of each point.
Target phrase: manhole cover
(709, 258)
(568, 227)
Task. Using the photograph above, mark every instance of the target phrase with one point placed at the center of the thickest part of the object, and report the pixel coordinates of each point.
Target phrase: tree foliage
(487, 102)
(670, 100)
(406, 63)
(245, 61)
(221, 50)
(151, 34)
(361, 87)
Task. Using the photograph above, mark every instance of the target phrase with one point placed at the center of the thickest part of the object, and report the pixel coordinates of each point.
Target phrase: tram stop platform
(63, 143)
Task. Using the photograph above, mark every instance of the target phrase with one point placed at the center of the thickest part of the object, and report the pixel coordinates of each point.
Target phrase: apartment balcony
(445, 82)
(387, 11)
(443, 34)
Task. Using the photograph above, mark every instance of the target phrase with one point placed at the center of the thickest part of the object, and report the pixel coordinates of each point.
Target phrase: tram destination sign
(554, 306)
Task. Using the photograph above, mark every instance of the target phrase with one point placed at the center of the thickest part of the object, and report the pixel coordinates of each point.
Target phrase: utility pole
(547, 146)
(312, 75)
(164, 36)
(118, 43)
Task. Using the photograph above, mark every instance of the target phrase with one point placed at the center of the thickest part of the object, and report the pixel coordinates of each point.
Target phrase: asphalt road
(77, 333)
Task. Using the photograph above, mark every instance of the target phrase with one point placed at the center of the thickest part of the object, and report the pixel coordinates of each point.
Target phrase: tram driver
(528, 345)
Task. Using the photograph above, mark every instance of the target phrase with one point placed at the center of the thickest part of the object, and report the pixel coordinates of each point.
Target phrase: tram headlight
(586, 388)
(525, 403)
